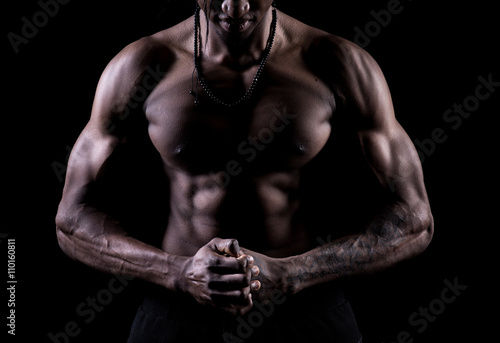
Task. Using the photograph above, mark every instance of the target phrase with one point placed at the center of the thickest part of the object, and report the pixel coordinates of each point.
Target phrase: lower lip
(235, 28)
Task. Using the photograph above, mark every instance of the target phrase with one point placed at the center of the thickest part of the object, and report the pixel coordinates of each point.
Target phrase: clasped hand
(220, 274)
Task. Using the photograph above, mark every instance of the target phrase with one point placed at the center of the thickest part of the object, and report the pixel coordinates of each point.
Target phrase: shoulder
(319, 45)
(160, 48)
(124, 72)
(146, 58)
(337, 61)
(136, 57)
(141, 63)
(134, 72)
(352, 74)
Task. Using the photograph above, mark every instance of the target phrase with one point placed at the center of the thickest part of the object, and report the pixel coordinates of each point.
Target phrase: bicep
(110, 123)
(392, 157)
(87, 161)
(100, 138)
(386, 146)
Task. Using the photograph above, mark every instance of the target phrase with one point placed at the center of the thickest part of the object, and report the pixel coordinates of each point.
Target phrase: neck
(238, 51)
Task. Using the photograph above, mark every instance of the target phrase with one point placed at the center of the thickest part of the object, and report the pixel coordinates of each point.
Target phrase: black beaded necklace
(197, 66)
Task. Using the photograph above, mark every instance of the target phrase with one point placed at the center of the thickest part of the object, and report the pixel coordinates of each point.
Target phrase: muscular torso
(237, 173)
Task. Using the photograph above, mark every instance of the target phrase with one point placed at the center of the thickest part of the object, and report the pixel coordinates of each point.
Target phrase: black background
(432, 55)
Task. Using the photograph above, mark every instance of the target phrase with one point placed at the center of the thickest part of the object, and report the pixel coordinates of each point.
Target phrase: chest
(284, 125)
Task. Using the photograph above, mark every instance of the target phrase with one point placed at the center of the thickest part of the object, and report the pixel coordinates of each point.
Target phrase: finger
(238, 298)
(246, 261)
(255, 271)
(225, 265)
(243, 310)
(255, 285)
(230, 282)
(230, 247)
(238, 310)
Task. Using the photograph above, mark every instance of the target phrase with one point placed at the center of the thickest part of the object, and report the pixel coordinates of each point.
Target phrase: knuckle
(214, 241)
(212, 260)
(233, 243)
(250, 260)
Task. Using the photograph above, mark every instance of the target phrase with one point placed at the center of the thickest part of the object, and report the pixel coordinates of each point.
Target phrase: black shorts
(319, 314)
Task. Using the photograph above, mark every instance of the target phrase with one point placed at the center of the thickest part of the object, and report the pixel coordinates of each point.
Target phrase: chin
(234, 38)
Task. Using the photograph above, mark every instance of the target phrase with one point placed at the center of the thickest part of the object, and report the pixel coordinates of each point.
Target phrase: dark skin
(229, 243)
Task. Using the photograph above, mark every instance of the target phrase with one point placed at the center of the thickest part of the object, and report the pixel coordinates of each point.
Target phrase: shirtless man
(234, 136)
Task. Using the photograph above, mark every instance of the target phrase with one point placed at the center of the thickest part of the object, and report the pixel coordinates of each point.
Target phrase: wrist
(300, 274)
(289, 283)
(174, 279)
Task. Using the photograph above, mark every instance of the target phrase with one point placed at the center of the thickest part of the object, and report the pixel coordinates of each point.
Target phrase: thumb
(229, 247)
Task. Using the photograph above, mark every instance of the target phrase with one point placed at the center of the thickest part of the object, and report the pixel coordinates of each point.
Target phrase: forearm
(97, 240)
(393, 236)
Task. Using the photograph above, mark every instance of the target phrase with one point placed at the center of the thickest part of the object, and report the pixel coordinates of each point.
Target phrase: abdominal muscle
(261, 212)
